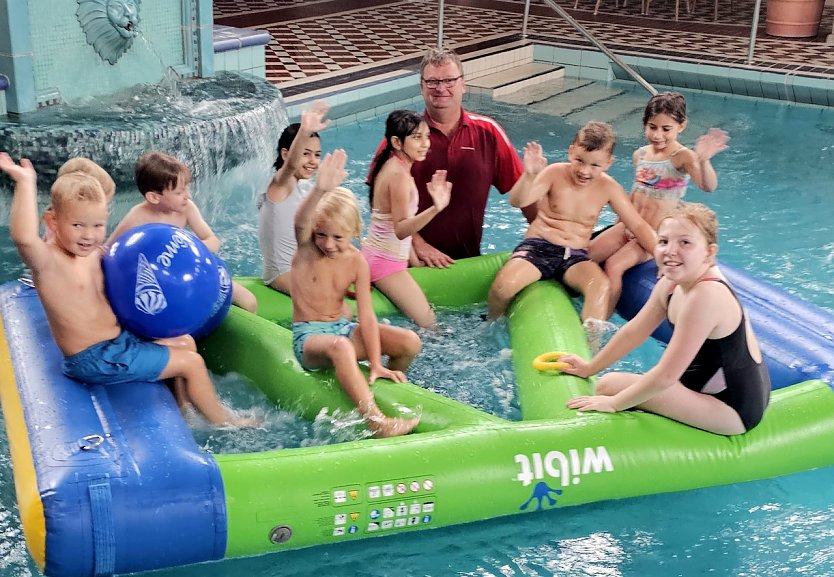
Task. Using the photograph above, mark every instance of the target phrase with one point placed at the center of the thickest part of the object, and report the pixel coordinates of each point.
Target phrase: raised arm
(23, 217)
(534, 163)
(312, 120)
(697, 164)
(440, 191)
(331, 174)
(198, 225)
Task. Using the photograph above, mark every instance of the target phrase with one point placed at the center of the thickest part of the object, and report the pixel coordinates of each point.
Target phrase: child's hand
(711, 143)
(20, 173)
(534, 160)
(381, 372)
(332, 170)
(440, 190)
(312, 120)
(598, 403)
(578, 366)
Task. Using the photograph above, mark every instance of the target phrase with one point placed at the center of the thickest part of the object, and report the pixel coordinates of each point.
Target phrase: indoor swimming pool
(774, 204)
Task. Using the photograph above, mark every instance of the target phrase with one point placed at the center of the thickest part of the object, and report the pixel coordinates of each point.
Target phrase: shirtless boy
(66, 270)
(570, 197)
(325, 264)
(164, 182)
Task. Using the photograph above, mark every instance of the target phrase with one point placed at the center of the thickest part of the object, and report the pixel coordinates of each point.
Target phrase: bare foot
(388, 427)
(246, 423)
(239, 421)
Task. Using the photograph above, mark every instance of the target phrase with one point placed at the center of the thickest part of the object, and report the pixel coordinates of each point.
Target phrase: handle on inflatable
(550, 362)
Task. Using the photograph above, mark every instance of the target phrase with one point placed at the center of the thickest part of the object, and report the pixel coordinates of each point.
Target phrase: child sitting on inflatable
(712, 375)
(570, 197)
(324, 266)
(67, 274)
(164, 182)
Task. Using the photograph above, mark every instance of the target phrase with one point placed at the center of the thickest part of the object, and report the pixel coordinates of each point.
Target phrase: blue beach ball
(161, 280)
(221, 305)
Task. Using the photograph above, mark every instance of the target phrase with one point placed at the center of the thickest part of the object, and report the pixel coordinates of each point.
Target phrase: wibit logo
(541, 492)
(567, 468)
(148, 297)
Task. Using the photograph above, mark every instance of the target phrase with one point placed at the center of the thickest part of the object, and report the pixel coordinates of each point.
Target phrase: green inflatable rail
(464, 465)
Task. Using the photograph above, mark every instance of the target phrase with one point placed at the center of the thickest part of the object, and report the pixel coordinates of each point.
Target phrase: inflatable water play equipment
(110, 480)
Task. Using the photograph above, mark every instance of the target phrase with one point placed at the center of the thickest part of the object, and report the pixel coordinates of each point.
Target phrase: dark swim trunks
(552, 260)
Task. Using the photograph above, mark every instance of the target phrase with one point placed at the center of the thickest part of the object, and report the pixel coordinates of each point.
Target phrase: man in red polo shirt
(476, 153)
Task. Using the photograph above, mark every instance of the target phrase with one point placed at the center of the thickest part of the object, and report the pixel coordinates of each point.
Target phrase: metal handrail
(592, 39)
(570, 20)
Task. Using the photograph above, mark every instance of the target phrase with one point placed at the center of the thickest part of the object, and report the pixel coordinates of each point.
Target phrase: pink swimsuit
(385, 253)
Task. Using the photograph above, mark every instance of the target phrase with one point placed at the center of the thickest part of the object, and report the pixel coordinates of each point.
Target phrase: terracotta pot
(794, 18)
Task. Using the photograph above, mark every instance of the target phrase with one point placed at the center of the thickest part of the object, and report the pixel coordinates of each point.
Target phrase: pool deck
(327, 42)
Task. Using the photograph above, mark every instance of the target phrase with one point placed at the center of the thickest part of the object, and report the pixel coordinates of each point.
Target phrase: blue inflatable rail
(121, 485)
(796, 337)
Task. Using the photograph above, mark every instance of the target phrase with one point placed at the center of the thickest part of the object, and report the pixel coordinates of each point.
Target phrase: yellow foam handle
(550, 362)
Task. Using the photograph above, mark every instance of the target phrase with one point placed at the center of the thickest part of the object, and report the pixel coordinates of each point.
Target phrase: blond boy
(324, 266)
(164, 182)
(570, 197)
(87, 166)
(66, 270)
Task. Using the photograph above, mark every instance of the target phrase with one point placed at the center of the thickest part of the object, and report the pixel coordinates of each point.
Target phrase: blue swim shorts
(125, 359)
(301, 331)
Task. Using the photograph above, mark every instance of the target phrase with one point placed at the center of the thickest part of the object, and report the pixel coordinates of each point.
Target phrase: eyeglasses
(445, 82)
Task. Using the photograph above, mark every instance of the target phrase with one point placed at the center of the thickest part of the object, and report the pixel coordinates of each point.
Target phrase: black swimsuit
(747, 382)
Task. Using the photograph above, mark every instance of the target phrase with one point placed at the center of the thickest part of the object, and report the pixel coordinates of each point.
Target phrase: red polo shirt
(477, 156)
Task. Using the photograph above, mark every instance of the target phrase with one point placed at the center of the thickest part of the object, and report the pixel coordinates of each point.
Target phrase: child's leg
(199, 389)
(328, 350)
(399, 344)
(681, 404)
(513, 276)
(243, 298)
(607, 243)
(617, 264)
(404, 292)
(177, 384)
(589, 279)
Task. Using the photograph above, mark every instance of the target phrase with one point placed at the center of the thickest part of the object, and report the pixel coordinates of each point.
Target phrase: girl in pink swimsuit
(662, 171)
(394, 218)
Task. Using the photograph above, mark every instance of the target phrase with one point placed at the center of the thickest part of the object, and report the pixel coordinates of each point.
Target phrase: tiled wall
(240, 50)
(593, 65)
(45, 52)
(497, 62)
(375, 97)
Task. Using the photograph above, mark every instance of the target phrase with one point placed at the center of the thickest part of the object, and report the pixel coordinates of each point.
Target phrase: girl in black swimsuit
(712, 374)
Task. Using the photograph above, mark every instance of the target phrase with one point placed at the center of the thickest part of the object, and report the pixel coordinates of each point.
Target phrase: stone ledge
(230, 38)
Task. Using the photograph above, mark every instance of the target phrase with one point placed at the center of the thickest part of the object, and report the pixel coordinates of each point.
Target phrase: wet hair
(698, 214)
(340, 207)
(439, 57)
(87, 166)
(73, 188)
(596, 136)
(671, 103)
(285, 141)
(158, 172)
(400, 123)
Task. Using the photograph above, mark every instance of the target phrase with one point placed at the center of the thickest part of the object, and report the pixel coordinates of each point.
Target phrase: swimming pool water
(775, 202)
